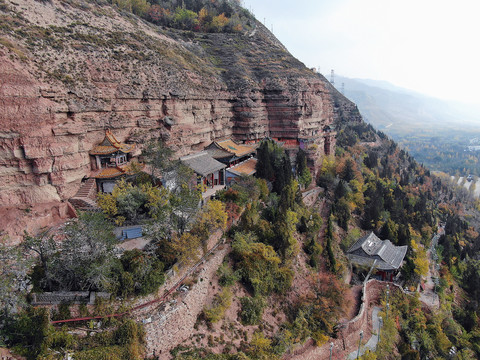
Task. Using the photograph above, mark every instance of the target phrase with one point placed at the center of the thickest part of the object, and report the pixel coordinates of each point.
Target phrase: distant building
(386, 258)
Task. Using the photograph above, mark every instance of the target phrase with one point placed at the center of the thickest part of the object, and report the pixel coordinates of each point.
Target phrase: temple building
(381, 256)
(229, 152)
(245, 168)
(110, 162)
(210, 172)
(238, 158)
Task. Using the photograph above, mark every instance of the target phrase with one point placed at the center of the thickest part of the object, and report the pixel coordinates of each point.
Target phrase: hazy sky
(431, 46)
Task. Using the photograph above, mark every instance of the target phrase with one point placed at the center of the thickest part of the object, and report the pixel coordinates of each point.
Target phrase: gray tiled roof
(217, 153)
(369, 248)
(202, 163)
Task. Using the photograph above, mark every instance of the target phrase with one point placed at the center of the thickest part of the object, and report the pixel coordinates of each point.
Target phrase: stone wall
(349, 331)
(68, 297)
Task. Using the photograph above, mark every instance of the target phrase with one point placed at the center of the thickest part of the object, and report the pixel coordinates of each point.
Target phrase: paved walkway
(372, 342)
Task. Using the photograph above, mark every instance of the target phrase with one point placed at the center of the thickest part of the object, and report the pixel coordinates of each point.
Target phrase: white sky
(431, 46)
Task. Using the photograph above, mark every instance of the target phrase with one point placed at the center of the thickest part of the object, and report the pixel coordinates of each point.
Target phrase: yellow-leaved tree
(186, 247)
(219, 22)
(211, 218)
(420, 259)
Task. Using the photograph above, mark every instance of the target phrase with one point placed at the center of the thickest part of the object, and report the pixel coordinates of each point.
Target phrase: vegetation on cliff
(370, 184)
(287, 262)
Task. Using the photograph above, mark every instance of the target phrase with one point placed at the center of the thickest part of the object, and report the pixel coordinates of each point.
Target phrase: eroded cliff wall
(68, 71)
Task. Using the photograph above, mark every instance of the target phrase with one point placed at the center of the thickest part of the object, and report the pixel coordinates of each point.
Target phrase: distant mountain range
(398, 111)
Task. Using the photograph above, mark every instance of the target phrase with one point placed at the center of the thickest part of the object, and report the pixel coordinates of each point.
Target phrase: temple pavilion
(111, 161)
(229, 152)
(210, 172)
(380, 256)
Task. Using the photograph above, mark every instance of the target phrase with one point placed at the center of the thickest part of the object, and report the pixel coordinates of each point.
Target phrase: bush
(221, 303)
(142, 274)
(103, 353)
(129, 332)
(27, 331)
(227, 277)
(252, 309)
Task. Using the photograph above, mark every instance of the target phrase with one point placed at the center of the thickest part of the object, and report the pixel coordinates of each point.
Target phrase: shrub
(227, 277)
(252, 309)
(142, 274)
(221, 303)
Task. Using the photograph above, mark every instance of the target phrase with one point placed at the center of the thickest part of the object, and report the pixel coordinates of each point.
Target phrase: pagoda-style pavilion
(111, 161)
(379, 255)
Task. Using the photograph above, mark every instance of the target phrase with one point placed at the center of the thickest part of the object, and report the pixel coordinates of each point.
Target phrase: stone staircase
(84, 199)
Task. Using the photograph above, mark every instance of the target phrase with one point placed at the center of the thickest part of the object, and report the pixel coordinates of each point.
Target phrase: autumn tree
(219, 22)
(212, 217)
(259, 265)
(322, 304)
(186, 247)
(420, 259)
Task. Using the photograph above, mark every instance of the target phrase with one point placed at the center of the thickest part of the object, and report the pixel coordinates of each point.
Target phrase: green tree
(185, 19)
(13, 280)
(87, 254)
(45, 247)
(285, 228)
(342, 213)
(259, 265)
(389, 231)
(348, 172)
(332, 262)
(145, 273)
(273, 165)
(157, 156)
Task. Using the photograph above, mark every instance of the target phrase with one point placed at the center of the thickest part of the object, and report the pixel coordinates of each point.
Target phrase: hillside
(71, 69)
(437, 133)
(263, 271)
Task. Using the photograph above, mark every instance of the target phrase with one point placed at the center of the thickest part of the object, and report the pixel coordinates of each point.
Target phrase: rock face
(70, 71)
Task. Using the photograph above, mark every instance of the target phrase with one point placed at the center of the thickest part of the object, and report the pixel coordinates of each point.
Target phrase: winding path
(372, 342)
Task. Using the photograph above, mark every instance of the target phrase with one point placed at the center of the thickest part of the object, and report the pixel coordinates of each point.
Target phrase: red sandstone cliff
(70, 70)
